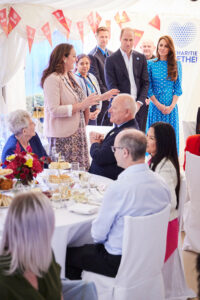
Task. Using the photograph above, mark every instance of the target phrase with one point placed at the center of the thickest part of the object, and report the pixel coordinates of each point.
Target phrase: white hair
(128, 102)
(27, 233)
(18, 120)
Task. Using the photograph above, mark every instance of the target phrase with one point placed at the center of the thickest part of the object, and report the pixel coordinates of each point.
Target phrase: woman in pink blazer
(66, 108)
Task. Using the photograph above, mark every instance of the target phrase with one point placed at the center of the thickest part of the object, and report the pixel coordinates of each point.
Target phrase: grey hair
(128, 103)
(135, 142)
(27, 234)
(18, 120)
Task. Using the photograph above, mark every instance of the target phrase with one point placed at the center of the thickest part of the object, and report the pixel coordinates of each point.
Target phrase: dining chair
(173, 269)
(192, 208)
(143, 250)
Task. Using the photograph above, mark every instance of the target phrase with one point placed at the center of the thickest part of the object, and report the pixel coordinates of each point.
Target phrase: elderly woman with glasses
(23, 129)
(28, 269)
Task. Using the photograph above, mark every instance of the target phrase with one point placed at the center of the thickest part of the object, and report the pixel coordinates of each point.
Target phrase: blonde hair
(27, 234)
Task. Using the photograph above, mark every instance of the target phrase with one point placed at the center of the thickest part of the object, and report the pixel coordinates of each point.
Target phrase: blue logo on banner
(182, 35)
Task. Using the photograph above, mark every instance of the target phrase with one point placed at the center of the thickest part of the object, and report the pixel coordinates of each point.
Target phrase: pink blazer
(58, 121)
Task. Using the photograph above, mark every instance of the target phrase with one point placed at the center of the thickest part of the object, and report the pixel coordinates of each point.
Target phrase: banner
(81, 30)
(90, 19)
(61, 18)
(137, 36)
(47, 32)
(30, 36)
(3, 20)
(14, 19)
(155, 22)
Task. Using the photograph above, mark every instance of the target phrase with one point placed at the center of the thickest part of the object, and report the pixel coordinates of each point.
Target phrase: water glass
(75, 166)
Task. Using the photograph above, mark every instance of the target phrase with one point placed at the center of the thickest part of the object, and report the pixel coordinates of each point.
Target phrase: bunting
(3, 20)
(30, 36)
(14, 19)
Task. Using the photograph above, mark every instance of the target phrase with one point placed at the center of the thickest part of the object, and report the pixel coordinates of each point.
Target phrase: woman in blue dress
(165, 76)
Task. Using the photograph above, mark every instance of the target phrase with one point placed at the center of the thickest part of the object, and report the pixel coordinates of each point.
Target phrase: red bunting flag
(30, 36)
(90, 19)
(108, 25)
(14, 19)
(61, 18)
(125, 17)
(117, 19)
(137, 36)
(98, 20)
(155, 22)
(47, 32)
(3, 20)
(81, 30)
(69, 24)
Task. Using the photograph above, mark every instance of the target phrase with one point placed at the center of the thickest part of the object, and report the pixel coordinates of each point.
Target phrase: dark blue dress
(34, 142)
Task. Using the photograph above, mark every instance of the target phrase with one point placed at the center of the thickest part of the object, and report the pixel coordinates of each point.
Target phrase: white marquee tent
(178, 18)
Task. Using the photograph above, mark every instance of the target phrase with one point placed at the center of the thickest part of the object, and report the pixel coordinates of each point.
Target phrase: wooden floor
(189, 259)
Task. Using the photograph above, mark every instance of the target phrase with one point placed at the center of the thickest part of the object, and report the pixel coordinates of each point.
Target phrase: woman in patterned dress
(66, 107)
(165, 75)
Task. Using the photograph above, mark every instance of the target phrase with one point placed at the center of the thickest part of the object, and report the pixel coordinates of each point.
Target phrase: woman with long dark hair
(165, 75)
(161, 145)
(66, 107)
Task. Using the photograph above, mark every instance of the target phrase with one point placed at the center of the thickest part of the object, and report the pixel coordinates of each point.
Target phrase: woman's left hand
(109, 94)
(167, 110)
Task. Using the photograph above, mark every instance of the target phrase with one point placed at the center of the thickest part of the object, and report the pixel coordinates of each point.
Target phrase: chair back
(192, 172)
(188, 129)
(143, 251)
(192, 208)
(182, 199)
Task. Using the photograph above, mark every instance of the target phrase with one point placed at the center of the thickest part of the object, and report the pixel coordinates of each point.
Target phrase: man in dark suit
(98, 56)
(126, 70)
(122, 113)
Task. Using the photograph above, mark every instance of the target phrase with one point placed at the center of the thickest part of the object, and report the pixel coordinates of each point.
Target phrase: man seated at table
(137, 192)
(122, 113)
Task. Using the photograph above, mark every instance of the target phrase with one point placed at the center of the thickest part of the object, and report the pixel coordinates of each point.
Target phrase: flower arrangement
(25, 165)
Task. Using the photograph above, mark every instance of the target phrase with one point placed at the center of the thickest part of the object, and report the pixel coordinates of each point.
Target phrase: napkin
(84, 209)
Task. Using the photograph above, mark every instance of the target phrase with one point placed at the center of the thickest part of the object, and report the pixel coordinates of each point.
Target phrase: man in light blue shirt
(137, 192)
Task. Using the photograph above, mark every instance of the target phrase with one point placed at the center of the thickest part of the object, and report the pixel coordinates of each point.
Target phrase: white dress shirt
(129, 66)
(138, 191)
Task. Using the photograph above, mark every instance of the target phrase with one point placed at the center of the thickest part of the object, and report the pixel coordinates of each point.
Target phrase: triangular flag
(117, 19)
(69, 24)
(30, 36)
(81, 30)
(90, 19)
(3, 20)
(98, 20)
(137, 36)
(125, 17)
(47, 32)
(108, 25)
(61, 18)
(14, 19)
(155, 22)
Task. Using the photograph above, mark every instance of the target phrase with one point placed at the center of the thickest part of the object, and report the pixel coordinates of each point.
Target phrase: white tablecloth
(70, 228)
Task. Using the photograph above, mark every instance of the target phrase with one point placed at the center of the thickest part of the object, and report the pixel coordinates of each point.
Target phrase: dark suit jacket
(103, 159)
(97, 67)
(116, 74)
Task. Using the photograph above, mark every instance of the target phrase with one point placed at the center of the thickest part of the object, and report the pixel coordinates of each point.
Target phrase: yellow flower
(29, 163)
(11, 157)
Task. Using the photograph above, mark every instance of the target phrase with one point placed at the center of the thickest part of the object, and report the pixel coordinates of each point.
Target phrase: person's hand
(95, 137)
(109, 94)
(138, 105)
(167, 110)
(93, 99)
(161, 107)
(147, 101)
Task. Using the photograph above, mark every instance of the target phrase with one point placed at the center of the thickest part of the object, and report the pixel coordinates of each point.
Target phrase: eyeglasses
(115, 148)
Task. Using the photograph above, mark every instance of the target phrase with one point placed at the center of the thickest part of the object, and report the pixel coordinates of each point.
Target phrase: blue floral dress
(163, 89)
